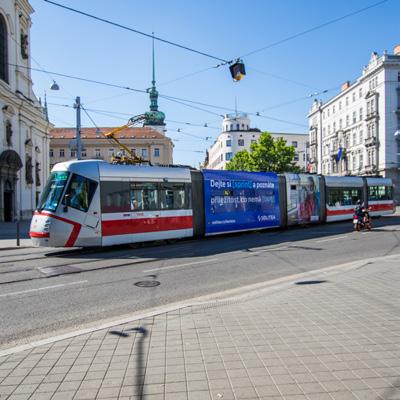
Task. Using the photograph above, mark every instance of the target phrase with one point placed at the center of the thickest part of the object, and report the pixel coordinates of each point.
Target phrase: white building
(24, 140)
(357, 132)
(237, 135)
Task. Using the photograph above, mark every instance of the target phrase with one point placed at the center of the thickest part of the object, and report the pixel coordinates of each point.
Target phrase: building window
(243, 126)
(333, 109)
(110, 152)
(97, 153)
(361, 114)
(294, 143)
(240, 142)
(133, 151)
(3, 50)
(62, 153)
(347, 120)
(229, 143)
(228, 156)
(144, 153)
(296, 157)
(237, 127)
(347, 101)
(398, 77)
(231, 127)
(83, 153)
(334, 127)
(360, 93)
(73, 153)
(156, 152)
(340, 123)
(354, 97)
(253, 141)
(354, 117)
(51, 153)
(340, 105)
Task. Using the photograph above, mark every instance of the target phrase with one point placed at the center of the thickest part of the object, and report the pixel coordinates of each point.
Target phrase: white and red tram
(94, 203)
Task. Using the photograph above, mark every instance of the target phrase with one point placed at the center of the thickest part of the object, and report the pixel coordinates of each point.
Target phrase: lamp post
(77, 107)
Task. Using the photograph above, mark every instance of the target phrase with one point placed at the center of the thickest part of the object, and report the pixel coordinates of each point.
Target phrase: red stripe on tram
(381, 207)
(144, 225)
(75, 230)
(39, 235)
(339, 212)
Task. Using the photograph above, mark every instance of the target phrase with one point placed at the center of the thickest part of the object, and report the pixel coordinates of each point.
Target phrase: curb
(243, 293)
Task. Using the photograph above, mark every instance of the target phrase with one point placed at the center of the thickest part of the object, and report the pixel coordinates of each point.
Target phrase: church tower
(154, 118)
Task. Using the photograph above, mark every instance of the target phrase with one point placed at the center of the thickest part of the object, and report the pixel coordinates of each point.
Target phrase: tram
(95, 203)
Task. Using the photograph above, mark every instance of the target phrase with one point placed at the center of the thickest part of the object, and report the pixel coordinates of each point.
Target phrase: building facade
(144, 142)
(357, 132)
(24, 127)
(237, 135)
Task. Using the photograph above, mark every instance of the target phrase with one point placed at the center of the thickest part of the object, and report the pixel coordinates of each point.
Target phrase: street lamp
(77, 107)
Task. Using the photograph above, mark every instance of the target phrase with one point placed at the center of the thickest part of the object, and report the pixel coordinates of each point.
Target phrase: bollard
(17, 232)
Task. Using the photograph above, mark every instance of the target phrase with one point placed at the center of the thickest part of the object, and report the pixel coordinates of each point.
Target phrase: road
(48, 291)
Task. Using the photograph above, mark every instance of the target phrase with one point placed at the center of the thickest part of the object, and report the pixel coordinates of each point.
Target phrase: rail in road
(51, 290)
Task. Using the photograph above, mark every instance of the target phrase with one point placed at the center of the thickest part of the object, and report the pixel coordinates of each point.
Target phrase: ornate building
(237, 135)
(357, 132)
(24, 140)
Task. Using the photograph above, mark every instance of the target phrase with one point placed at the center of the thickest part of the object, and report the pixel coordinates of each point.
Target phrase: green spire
(154, 117)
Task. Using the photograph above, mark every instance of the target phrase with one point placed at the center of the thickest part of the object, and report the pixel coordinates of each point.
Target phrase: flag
(339, 154)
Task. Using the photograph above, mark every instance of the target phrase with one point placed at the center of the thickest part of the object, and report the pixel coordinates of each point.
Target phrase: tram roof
(96, 169)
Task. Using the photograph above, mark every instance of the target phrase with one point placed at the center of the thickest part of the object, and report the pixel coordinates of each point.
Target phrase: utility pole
(77, 107)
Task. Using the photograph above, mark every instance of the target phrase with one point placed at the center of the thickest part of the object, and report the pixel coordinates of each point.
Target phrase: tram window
(143, 196)
(333, 197)
(188, 189)
(114, 196)
(80, 191)
(376, 193)
(343, 196)
(172, 196)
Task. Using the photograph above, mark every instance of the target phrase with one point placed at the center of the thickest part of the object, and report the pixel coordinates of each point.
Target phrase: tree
(267, 154)
(242, 161)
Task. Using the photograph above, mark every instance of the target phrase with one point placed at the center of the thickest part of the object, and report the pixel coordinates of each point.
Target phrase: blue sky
(72, 44)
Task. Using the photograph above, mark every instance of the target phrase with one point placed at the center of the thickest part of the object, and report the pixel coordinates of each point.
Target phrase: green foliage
(267, 154)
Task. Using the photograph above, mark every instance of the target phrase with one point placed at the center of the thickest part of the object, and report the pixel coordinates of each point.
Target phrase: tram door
(81, 207)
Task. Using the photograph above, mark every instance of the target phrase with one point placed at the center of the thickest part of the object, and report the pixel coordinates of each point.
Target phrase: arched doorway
(10, 164)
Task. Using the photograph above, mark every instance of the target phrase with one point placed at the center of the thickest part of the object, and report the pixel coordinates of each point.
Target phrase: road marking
(160, 269)
(335, 238)
(42, 288)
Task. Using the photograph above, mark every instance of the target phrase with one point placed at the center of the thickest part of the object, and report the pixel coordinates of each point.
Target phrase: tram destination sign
(236, 200)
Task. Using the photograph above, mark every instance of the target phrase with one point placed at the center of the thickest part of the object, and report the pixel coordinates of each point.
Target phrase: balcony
(372, 115)
(370, 168)
(370, 141)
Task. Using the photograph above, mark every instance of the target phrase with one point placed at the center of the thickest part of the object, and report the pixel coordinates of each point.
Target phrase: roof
(98, 133)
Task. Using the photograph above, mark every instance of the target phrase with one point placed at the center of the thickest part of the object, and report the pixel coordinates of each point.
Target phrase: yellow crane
(129, 157)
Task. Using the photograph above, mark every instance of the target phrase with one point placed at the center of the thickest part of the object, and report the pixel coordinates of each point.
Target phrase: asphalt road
(46, 291)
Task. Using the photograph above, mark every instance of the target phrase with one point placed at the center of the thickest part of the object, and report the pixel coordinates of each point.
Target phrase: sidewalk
(8, 235)
(334, 334)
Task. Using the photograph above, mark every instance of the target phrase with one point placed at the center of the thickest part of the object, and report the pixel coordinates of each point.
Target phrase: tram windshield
(52, 192)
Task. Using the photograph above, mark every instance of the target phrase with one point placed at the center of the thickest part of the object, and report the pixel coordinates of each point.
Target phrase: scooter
(362, 221)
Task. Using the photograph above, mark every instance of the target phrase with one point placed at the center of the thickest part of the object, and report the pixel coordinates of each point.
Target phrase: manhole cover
(147, 283)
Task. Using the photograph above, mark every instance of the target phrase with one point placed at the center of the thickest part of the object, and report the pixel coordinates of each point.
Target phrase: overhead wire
(312, 29)
(139, 32)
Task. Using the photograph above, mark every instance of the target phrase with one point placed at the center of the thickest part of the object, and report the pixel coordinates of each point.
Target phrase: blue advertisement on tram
(236, 200)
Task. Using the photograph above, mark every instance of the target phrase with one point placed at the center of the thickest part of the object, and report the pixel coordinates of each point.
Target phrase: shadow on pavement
(214, 245)
(140, 359)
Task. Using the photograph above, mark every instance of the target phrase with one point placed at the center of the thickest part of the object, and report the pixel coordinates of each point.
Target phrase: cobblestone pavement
(330, 336)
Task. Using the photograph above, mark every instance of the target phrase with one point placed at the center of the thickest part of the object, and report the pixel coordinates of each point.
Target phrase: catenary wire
(314, 28)
(139, 32)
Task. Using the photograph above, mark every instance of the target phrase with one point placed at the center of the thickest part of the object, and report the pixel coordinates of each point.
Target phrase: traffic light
(237, 70)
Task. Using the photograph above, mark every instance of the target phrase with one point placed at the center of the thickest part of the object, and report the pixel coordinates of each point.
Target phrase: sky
(281, 81)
